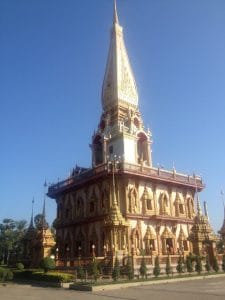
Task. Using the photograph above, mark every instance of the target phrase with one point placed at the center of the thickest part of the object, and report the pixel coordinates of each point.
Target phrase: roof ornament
(199, 210)
(115, 15)
(31, 226)
(206, 210)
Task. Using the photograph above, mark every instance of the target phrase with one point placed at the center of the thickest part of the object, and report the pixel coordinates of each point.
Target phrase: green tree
(215, 265)
(129, 269)
(39, 221)
(198, 264)
(143, 268)
(156, 270)
(93, 270)
(116, 270)
(80, 272)
(180, 265)
(168, 266)
(47, 264)
(189, 263)
(223, 263)
(11, 240)
(220, 246)
(207, 264)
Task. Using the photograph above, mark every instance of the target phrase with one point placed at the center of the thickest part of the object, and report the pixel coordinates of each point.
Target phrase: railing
(161, 173)
(157, 173)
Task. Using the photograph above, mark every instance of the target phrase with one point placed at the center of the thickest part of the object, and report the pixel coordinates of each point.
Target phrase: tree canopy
(11, 235)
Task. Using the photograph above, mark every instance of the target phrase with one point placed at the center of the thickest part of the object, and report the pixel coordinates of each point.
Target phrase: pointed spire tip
(115, 15)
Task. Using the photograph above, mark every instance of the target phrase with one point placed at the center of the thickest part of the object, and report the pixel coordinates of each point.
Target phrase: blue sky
(52, 60)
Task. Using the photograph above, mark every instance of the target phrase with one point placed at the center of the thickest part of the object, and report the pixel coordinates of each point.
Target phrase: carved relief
(133, 200)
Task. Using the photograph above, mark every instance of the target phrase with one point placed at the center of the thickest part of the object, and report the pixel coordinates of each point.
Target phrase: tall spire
(199, 210)
(206, 210)
(115, 15)
(31, 226)
(119, 85)
(44, 223)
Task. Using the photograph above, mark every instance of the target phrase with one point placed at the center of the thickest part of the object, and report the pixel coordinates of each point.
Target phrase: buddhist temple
(123, 204)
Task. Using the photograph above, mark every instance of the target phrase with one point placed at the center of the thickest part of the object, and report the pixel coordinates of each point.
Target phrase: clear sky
(52, 61)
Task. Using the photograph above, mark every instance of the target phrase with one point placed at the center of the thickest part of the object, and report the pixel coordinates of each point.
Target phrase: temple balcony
(159, 175)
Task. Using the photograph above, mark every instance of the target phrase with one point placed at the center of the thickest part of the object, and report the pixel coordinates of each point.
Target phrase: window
(185, 244)
(92, 206)
(149, 204)
(152, 244)
(111, 149)
(181, 208)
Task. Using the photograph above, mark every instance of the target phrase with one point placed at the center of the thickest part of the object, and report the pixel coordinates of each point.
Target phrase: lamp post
(116, 160)
(167, 249)
(93, 251)
(104, 250)
(56, 255)
(132, 254)
(67, 255)
(151, 253)
(79, 254)
(79, 251)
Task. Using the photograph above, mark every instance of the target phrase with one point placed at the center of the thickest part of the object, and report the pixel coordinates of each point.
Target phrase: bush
(116, 270)
(156, 270)
(198, 265)
(80, 272)
(207, 264)
(5, 275)
(40, 276)
(189, 263)
(129, 269)
(215, 265)
(168, 266)
(19, 266)
(93, 270)
(47, 264)
(223, 263)
(180, 265)
(143, 268)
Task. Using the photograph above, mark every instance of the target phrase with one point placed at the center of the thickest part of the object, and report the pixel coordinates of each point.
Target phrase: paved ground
(205, 289)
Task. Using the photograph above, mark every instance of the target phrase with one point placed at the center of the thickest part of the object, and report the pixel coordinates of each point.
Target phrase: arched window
(142, 148)
(190, 207)
(163, 204)
(97, 150)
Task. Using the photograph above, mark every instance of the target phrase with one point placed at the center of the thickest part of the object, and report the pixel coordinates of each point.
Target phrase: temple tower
(120, 131)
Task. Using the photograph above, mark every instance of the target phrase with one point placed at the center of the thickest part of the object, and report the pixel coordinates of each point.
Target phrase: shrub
(143, 268)
(129, 269)
(19, 266)
(168, 266)
(223, 263)
(40, 276)
(198, 265)
(116, 270)
(207, 264)
(5, 274)
(189, 263)
(180, 265)
(80, 272)
(215, 265)
(47, 264)
(93, 270)
(156, 270)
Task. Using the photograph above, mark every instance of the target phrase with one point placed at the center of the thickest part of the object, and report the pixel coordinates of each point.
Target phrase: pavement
(204, 289)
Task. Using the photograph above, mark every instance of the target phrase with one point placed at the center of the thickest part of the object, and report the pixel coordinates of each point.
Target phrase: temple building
(38, 241)
(123, 204)
(222, 229)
